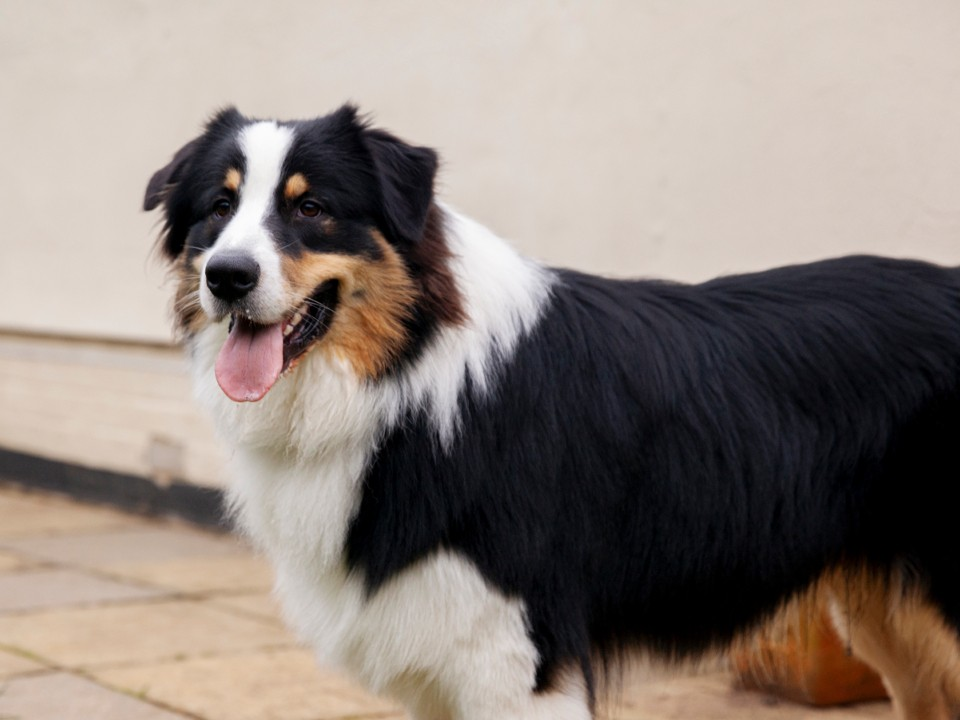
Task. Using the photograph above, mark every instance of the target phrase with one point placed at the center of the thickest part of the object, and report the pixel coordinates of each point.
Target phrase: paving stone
(225, 656)
(261, 605)
(714, 698)
(12, 664)
(28, 515)
(10, 561)
(48, 588)
(60, 696)
(208, 574)
(276, 685)
(124, 547)
(147, 632)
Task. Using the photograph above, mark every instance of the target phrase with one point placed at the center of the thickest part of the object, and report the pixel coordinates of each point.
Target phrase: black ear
(168, 175)
(406, 177)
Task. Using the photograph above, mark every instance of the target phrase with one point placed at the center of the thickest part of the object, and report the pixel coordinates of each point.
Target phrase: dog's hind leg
(905, 637)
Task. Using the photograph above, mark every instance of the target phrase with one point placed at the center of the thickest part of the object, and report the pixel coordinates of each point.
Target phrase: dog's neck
(317, 430)
(322, 406)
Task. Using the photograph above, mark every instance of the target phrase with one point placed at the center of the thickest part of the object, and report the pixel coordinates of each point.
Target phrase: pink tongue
(250, 360)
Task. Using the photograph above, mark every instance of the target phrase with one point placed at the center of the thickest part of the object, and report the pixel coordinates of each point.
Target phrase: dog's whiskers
(310, 302)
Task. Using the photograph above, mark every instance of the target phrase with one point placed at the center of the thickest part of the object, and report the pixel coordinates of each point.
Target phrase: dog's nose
(230, 276)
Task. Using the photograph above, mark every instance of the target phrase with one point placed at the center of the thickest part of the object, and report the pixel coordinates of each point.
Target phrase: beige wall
(114, 406)
(632, 137)
(678, 138)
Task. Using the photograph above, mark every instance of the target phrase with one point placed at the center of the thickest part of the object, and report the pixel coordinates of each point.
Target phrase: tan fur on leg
(905, 638)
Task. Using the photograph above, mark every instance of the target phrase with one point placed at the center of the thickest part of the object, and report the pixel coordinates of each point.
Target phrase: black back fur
(661, 464)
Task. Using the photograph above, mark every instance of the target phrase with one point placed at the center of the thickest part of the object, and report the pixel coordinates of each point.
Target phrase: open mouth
(309, 323)
(254, 356)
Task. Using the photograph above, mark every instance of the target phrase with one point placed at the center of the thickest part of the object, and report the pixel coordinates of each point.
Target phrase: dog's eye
(222, 208)
(310, 208)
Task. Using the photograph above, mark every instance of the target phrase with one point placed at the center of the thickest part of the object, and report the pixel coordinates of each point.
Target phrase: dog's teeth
(287, 330)
(296, 319)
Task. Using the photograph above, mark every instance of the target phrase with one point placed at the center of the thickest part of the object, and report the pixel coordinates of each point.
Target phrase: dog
(483, 482)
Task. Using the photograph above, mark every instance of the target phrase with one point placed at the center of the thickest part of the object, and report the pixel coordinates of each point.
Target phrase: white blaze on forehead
(264, 146)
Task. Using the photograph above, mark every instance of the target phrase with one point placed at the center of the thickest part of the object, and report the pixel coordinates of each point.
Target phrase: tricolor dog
(483, 481)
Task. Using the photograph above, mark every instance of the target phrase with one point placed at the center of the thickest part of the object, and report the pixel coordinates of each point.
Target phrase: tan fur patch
(439, 293)
(375, 300)
(232, 180)
(891, 627)
(899, 632)
(296, 186)
(189, 317)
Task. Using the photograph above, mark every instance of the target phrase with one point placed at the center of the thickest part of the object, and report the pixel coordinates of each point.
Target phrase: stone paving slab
(276, 685)
(207, 574)
(60, 696)
(35, 514)
(12, 665)
(137, 633)
(212, 647)
(49, 588)
(10, 561)
(714, 697)
(259, 605)
(125, 546)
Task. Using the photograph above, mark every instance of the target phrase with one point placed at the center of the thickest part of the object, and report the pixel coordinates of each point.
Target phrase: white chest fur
(298, 513)
(435, 635)
(437, 619)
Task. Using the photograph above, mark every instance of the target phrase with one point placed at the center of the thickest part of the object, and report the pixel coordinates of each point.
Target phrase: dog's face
(303, 236)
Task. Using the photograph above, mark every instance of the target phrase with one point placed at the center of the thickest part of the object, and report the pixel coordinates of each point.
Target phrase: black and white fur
(579, 467)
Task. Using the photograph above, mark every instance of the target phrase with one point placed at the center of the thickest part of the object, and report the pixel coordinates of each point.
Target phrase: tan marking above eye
(232, 180)
(295, 186)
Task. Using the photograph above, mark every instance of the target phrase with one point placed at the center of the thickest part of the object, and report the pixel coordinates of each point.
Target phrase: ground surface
(107, 616)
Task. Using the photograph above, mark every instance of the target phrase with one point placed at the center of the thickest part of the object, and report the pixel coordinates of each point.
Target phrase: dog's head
(308, 236)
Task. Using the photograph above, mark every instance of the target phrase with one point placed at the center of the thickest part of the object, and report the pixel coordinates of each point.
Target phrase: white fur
(503, 294)
(435, 636)
(265, 146)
